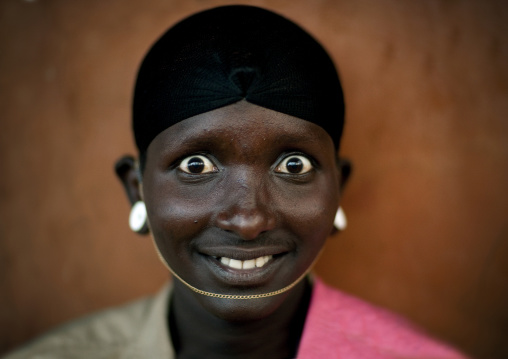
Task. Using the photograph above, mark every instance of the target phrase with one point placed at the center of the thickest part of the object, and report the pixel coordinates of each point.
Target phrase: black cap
(227, 54)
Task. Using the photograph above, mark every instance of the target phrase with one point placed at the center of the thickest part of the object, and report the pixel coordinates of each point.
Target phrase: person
(237, 116)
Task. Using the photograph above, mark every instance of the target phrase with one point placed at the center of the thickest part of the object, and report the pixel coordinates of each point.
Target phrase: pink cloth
(345, 327)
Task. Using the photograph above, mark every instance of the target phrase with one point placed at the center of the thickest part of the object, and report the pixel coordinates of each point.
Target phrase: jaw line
(233, 296)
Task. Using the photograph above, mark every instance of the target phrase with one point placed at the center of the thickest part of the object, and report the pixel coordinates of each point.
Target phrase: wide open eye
(197, 164)
(294, 164)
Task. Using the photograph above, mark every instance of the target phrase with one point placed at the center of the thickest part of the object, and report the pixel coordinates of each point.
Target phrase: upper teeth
(248, 264)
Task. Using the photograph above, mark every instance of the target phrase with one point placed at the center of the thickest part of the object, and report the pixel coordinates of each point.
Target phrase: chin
(235, 310)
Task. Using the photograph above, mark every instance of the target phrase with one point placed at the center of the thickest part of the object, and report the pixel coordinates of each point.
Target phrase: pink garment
(340, 326)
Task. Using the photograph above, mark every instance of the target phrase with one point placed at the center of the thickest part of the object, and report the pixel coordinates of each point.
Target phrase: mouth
(245, 267)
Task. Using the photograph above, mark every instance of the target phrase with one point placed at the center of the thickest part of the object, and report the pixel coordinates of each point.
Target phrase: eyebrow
(298, 138)
(197, 139)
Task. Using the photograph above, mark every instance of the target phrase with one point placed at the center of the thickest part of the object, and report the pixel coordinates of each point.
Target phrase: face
(240, 200)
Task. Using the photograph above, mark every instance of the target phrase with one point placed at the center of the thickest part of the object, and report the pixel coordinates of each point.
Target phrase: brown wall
(427, 128)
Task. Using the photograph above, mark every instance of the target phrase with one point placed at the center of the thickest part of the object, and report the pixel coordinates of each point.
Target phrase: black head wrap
(232, 53)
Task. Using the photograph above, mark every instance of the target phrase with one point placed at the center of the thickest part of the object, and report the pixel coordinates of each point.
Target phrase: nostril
(246, 225)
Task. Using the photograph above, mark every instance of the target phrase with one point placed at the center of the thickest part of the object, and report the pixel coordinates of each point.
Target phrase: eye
(294, 164)
(197, 164)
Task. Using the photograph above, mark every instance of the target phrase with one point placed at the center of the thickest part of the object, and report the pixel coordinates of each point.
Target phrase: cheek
(168, 200)
(310, 212)
(177, 215)
(313, 220)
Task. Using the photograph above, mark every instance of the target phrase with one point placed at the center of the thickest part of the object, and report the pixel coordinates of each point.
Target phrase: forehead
(243, 125)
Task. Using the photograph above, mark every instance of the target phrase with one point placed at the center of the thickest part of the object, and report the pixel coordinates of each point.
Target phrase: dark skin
(240, 182)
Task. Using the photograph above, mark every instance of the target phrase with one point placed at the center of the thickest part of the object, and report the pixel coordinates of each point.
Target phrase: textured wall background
(426, 86)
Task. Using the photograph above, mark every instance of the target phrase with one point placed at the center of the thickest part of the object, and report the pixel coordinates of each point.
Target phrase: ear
(127, 173)
(345, 168)
(129, 176)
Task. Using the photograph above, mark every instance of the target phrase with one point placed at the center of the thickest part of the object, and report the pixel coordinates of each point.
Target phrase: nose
(246, 209)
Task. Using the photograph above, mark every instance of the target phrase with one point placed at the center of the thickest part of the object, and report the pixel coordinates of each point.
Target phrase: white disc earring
(137, 217)
(340, 221)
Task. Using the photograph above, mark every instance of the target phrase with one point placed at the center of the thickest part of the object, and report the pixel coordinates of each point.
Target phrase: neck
(196, 333)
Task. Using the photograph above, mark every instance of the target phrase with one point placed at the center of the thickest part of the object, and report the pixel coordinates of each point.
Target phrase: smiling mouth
(236, 266)
(244, 264)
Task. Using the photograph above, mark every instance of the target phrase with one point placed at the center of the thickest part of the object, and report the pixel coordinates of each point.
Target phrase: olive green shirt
(136, 330)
